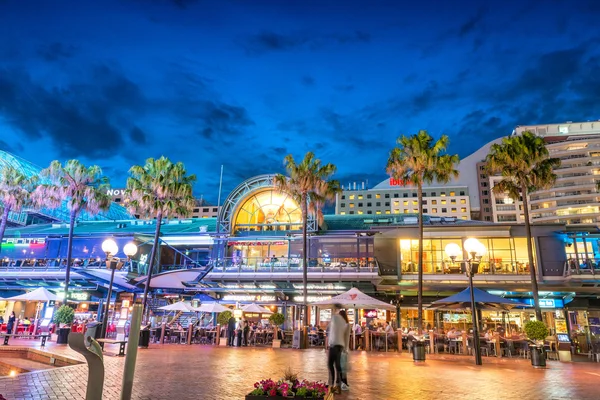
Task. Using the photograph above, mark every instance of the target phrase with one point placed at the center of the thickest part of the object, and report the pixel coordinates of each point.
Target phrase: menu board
(561, 325)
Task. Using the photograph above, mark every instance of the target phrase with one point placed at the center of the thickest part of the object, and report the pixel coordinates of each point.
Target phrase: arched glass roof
(115, 212)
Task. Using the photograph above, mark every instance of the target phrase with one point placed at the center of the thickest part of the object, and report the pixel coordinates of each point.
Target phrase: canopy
(255, 308)
(354, 298)
(39, 294)
(212, 308)
(179, 306)
(483, 298)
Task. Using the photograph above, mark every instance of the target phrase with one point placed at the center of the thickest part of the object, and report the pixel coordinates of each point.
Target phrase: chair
(505, 349)
(484, 347)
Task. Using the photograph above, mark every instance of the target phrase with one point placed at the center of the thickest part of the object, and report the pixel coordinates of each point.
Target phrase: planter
(252, 397)
(538, 356)
(418, 351)
(63, 335)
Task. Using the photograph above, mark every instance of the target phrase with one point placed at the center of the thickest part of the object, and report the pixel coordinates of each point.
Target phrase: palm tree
(525, 165)
(159, 189)
(309, 184)
(80, 188)
(417, 160)
(15, 193)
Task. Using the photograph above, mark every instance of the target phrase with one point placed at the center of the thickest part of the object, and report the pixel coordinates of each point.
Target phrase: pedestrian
(240, 330)
(11, 323)
(344, 358)
(337, 341)
(230, 330)
(246, 331)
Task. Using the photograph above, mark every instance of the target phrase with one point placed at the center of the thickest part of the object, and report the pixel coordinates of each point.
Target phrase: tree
(309, 185)
(526, 166)
(419, 159)
(15, 193)
(159, 189)
(80, 188)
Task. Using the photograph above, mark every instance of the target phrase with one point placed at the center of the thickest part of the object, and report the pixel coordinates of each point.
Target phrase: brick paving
(205, 372)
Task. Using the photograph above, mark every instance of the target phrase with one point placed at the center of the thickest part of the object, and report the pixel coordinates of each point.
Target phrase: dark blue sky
(243, 83)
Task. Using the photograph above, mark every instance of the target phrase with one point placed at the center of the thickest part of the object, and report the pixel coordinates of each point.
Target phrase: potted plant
(277, 319)
(282, 389)
(223, 320)
(536, 332)
(64, 317)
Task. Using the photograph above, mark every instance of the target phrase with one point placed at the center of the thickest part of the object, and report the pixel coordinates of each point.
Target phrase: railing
(486, 267)
(54, 264)
(255, 264)
(588, 266)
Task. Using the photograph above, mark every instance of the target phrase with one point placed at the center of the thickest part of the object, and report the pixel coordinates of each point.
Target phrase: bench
(43, 336)
(121, 344)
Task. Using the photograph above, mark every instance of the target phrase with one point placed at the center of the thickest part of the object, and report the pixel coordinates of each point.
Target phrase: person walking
(230, 330)
(11, 323)
(337, 341)
(344, 357)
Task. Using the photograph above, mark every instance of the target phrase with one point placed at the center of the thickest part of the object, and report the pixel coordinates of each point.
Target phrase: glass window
(351, 205)
(359, 212)
(377, 196)
(425, 211)
(343, 197)
(378, 204)
(414, 203)
(369, 212)
(463, 209)
(351, 197)
(387, 211)
(453, 209)
(351, 212)
(405, 195)
(396, 203)
(387, 195)
(360, 196)
(434, 210)
(360, 204)
(414, 195)
(405, 202)
(444, 210)
(434, 202)
(268, 207)
(452, 201)
(203, 210)
(463, 201)
(443, 194)
(396, 195)
(368, 204)
(387, 203)
(377, 212)
(342, 212)
(452, 193)
(462, 193)
(443, 201)
(343, 205)
(396, 211)
(433, 194)
(368, 196)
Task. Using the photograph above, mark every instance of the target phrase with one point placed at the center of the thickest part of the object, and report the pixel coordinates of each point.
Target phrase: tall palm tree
(526, 166)
(80, 188)
(420, 159)
(159, 189)
(309, 184)
(15, 192)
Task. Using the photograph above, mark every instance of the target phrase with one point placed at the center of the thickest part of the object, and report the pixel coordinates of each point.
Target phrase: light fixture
(130, 249)
(475, 248)
(109, 246)
(452, 250)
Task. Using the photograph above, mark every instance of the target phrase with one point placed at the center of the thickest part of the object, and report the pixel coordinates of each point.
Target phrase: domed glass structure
(115, 212)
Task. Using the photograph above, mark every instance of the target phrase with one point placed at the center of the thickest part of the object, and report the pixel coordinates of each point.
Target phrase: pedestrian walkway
(207, 372)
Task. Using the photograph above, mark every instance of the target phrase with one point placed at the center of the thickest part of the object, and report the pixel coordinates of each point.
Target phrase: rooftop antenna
(219, 201)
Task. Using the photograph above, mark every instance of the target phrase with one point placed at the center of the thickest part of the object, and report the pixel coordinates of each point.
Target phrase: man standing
(230, 330)
(338, 333)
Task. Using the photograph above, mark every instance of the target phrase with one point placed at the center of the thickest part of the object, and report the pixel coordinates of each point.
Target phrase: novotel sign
(399, 182)
(115, 192)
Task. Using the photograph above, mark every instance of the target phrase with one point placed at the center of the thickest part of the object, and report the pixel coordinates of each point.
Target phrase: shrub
(536, 330)
(64, 315)
(277, 319)
(223, 317)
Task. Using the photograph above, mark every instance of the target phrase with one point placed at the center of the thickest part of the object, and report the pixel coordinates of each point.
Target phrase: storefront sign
(79, 296)
(311, 299)
(399, 182)
(248, 297)
(370, 313)
(323, 286)
(30, 242)
(547, 303)
(279, 243)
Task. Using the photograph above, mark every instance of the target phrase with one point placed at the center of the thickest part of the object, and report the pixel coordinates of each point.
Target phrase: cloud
(15, 148)
(220, 119)
(137, 135)
(56, 51)
(471, 23)
(269, 41)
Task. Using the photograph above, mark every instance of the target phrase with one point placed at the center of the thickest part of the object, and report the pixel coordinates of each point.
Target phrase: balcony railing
(486, 267)
(252, 265)
(589, 266)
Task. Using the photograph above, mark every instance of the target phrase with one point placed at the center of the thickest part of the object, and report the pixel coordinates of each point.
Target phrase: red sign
(399, 182)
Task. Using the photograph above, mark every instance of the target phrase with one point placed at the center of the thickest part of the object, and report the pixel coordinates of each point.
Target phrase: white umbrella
(354, 298)
(256, 309)
(179, 306)
(40, 294)
(212, 308)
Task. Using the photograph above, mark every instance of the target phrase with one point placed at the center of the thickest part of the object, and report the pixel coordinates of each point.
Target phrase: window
(484, 192)
(414, 203)
(406, 211)
(343, 197)
(360, 204)
(486, 201)
(443, 194)
(414, 195)
(452, 194)
(351, 212)
(387, 211)
(351, 197)
(444, 210)
(443, 201)
(453, 209)
(463, 201)
(405, 202)
(396, 195)
(452, 201)
(360, 196)
(205, 210)
(487, 209)
(483, 184)
(425, 210)
(215, 209)
(424, 202)
(369, 212)
(196, 210)
(481, 167)
(462, 192)
(377, 196)
(488, 218)
(396, 203)
(404, 195)
(463, 209)
(434, 202)
(351, 205)
(343, 205)
(378, 204)
(482, 176)
(433, 194)
(434, 210)
(387, 203)
(368, 196)
(343, 213)
(368, 204)
(360, 212)
(377, 212)
(396, 211)
(387, 195)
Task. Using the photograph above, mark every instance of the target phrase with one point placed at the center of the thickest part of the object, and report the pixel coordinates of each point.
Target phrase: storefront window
(268, 210)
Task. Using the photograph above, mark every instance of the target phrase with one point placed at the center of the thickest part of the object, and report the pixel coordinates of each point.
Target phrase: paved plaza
(205, 372)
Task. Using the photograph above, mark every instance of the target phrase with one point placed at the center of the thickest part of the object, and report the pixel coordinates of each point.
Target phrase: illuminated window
(360, 196)
(396, 203)
(377, 212)
(343, 213)
(464, 217)
(443, 194)
(452, 194)
(377, 196)
(415, 203)
(443, 201)
(434, 202)
(351, 197)
(396, 211)
(359, 212)
(463, 209)
(406, 203)
(463, 201)
(453, 209)
(351, 205)
(268, 207)
(387, 211)
(434, 210)
(405, 211)
(452, 201)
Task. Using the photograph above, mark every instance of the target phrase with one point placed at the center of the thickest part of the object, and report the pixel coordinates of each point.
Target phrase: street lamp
(110, 248)
(130, 249)
(476, 250)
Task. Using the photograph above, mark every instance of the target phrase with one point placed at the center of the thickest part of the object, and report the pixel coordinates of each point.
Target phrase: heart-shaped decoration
(353, 296)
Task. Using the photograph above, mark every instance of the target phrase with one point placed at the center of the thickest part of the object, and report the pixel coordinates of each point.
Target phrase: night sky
(245, 82)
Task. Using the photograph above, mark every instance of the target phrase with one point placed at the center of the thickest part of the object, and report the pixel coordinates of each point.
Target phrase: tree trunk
(3, 224)
(420, 282)
(532, 268)
(145, 309)
(69, 254)
(304, 254)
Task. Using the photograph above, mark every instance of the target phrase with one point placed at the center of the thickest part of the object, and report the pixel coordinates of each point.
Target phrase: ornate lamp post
(130, 250)
(476, 250)
(110, 248)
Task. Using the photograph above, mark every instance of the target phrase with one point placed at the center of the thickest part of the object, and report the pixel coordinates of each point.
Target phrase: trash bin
(144, 337)
(94, 330)
(419, 350)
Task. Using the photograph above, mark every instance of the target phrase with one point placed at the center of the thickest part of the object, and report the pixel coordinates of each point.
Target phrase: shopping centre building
(253, 253)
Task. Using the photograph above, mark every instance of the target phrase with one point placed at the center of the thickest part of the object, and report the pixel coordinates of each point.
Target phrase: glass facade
(268, 210)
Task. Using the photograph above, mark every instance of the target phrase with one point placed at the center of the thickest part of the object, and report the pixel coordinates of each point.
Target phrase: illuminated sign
(79, 296)
(311, 286)
(547, 303)
(399, 182)
(248, 297)
(279, 243)
(370, 314)
(31, 242)
(311, 299)
(115, 192)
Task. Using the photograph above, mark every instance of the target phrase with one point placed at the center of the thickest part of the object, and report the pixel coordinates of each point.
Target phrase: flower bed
(269, 389)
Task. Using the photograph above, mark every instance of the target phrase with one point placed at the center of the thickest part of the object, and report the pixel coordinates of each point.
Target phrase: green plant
(536, 330)
(224, 317)
(289, 375)
(277, 319)
(64, 315)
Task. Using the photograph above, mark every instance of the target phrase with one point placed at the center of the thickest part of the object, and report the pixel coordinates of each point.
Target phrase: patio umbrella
(39, 294)
(256, 309)
(484, 299)
(179, 306)
(354, 298)
(212, 308)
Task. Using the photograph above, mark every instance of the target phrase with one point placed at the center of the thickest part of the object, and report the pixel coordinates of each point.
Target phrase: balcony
(590, 266)
(240, 265)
